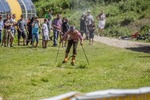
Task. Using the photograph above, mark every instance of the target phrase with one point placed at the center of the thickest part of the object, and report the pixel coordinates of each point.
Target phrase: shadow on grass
(69, 66)
(145, 49)
(22, 47)
(147, 71)
(144, 56)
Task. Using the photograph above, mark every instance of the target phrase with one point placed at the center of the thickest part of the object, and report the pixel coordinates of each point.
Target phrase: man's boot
(66, 58)
(73, 60)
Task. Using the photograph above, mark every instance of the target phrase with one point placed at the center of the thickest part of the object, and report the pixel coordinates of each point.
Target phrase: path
(127, 44)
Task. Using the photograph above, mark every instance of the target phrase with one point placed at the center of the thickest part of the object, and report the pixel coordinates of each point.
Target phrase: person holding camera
(35, 32)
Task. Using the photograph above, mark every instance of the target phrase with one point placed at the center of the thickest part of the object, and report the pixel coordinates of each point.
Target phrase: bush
(117, 31)
(145, 32)
(145, 29)
(127, 21)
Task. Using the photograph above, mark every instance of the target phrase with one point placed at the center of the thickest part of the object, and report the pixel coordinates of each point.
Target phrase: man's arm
(80, 37)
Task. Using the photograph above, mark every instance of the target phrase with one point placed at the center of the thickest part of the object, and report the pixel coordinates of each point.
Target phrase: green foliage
(117, 31)
(120, 13)
(145, 32)
(60, 6)
(145, 29)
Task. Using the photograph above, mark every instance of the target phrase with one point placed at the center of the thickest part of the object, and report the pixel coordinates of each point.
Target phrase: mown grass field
(32, 73)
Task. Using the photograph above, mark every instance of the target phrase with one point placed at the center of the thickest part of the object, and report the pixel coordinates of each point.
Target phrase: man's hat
(83, 13)
(72, 28)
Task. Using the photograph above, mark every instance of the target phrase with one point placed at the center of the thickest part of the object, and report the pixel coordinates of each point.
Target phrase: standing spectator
(9, 37)
(45, 36)
(57, 23)
(91, 31)
(21, 30)
(29, 27)
(35, 32)
(49, 25)
(28, 40)
(5, 31)
(49, 15)
(1, 28)
(83, 24)
(102, 20)
(13, 29)
(90, 19)
(13, 20)
(65, 28)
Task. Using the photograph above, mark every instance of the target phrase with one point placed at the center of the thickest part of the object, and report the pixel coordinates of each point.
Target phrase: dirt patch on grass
(127, 44)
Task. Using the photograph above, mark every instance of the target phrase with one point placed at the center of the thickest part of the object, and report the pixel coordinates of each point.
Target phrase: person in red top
(74, 37)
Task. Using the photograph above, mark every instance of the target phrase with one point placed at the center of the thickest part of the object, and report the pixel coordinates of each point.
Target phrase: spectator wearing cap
(1, 28)
(90, 20)
(74, 37)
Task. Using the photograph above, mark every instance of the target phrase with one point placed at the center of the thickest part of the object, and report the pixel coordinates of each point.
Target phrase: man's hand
(81, 43)
(20, 30)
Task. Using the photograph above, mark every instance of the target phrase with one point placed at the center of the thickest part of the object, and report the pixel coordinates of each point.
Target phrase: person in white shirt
(90, 20)
(13, 20)
(102, 20)
(45, 34)
(49, 25)
(1, 27)
(12, 28)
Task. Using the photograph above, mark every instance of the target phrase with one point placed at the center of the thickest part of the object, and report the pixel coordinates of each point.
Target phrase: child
(91, 31)
(65, 28)
(45, 34)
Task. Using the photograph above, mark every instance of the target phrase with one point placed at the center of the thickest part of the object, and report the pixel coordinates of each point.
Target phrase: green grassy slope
(30, 74)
